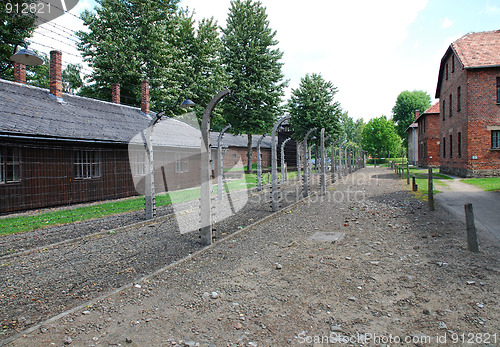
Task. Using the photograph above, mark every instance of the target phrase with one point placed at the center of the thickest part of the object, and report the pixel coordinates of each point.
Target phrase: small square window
(87, 164)
(10, 165)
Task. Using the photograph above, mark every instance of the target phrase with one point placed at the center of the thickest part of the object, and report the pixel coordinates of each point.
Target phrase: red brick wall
(483, 111)
(478, 111)
(429, 135)
(235, 154)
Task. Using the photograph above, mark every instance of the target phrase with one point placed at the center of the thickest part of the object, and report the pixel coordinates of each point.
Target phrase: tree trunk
(249, 154)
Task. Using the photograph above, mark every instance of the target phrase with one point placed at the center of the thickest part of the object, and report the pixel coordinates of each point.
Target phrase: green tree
(72, 78)
(252, 61)
(312, 105)
(204, 75)
(39, 75)
(379, 137)
(351, 129)
(15, 27)
(131, 40)
(404, 110)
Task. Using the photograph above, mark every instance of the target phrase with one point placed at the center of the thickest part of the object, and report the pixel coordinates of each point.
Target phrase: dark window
(452, 63)
(459, 145)
(495, 139)
(444, 147)
(446, 71)
(451, 105)
(459, 96)
(9, 165)
(444, 108)
(498, 90)
(451, 146)
(87, 164)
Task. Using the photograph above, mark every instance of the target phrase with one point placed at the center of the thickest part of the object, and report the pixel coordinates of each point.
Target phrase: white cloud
(446, 23)
(351, 43)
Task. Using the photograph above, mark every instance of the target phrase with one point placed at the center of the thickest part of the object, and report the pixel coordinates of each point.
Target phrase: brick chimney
(417, 114)
(145, 96)
(19, 73)
(56, 74)
(115, 93)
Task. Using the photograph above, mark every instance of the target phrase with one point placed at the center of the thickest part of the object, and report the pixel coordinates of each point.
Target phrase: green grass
(11, 225)
(489, 184)
(421, 179)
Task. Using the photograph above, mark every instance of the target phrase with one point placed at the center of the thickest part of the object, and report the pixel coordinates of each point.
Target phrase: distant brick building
(469, 92)
(429, 137)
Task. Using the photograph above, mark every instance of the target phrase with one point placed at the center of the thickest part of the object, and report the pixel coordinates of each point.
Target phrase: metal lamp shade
(27, 57)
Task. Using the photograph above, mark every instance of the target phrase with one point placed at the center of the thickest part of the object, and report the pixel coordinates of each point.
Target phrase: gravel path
(397, 271)
(51, 270)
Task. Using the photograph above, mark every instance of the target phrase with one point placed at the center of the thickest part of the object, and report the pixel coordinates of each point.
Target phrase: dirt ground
(396, 275)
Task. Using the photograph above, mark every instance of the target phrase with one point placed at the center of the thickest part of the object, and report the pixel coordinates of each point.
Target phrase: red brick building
(469, 92)
(429, 137)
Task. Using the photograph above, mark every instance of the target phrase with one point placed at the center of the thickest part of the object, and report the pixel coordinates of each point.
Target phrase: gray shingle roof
(31, 111)
(27, 110)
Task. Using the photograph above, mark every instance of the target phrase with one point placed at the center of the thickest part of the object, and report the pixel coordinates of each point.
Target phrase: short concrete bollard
(472, 244)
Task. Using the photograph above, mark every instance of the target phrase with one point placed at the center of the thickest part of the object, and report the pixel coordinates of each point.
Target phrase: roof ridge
(73, 96)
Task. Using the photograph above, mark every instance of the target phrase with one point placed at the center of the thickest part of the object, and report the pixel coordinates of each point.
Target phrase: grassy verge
(11, 225)
(489, 184)
(422, 181)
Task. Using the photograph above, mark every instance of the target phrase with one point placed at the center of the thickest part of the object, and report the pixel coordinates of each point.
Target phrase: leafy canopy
(379, 137)
(253, 64)
(204, 75)
(351, 130)
(128, 41)
(312, 105)
(404, 110)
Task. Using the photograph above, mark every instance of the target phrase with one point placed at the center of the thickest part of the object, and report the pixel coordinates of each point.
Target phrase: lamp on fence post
(220, 166)
(259, 163)
(149, 196)
(306, 163)
(283, 168)
(205, 177)
(274, 163)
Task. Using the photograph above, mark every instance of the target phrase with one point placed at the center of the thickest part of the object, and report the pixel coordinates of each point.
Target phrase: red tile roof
(433, 109)
(474, 50)
(478, 49)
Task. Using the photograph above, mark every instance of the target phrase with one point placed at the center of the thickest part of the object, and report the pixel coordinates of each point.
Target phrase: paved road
(486, 206)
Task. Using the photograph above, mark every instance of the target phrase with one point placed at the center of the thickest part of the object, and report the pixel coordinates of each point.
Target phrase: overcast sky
(370, 50)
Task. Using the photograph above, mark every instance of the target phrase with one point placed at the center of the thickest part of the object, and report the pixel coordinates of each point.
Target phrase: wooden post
(430, 194)
(407, 173)
(472, 244)
(414, 182)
